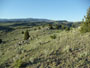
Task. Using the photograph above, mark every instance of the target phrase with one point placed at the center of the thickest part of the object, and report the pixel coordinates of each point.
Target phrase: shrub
(39, 27)
(67, 28)
(62, 27)
(0, 40)
(43, 26)
(58, 26)
(53, 36)
(18, 63)
(50, 26)
(22, 32)
(26, 35)
(85, 26)
(35, 29)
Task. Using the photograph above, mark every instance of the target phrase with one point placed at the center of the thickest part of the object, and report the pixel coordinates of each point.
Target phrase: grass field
(69, 49)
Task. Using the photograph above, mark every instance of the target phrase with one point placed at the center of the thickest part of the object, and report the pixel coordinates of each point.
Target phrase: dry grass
(70, 49)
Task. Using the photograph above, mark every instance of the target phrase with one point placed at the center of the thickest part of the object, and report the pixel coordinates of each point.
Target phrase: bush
(18, 63)
(0, 40)
(85, 26)
(67, 28)
(50, 26)
(53, 36)
(62, 27)
(39, 27)
(26, 35)
(43, 26)
(22, 32)
(35, 29)
(58, 26)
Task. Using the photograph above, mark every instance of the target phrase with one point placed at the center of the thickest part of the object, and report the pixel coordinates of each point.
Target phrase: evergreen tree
(86, 23)
(26, 35)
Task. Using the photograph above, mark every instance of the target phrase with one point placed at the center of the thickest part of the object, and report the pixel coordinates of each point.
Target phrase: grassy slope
(69, 49)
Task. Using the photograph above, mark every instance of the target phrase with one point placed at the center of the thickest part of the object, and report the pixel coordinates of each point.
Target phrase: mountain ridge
(31, 20)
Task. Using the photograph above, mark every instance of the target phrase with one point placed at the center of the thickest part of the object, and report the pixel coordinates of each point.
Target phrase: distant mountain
(35, 21)
(26, 20)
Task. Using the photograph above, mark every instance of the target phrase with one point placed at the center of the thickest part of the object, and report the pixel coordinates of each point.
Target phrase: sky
(71, 10)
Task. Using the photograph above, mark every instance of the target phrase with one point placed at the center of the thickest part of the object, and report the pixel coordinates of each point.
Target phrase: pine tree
(26, 35)
(86, 23)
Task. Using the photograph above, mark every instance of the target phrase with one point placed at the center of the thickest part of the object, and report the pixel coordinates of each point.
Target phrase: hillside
(69, 49)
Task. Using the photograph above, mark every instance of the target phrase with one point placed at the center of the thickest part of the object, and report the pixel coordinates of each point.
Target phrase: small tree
(86, 23)
(26, 35)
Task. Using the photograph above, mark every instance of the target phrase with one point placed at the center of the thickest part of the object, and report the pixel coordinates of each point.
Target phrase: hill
(68, 49)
